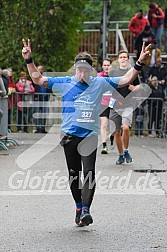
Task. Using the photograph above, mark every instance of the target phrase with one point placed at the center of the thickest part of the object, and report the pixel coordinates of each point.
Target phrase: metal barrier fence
(89, 38)
(151, 118)
(45, 111)
(30, 112)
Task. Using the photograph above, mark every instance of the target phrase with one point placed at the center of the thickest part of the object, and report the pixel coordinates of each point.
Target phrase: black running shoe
(85, 219)
(78, 215)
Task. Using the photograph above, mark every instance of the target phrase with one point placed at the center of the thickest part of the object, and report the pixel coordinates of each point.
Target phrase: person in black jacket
(145, 36)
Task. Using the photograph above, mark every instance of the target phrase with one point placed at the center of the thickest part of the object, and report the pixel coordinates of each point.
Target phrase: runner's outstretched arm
(35, 75)
(131, 75)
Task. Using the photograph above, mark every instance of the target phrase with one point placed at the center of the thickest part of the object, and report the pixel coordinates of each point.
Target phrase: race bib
(112, 102)
(86, 114)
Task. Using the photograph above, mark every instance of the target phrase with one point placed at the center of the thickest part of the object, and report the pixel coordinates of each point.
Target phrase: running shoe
(78, 215)
(127, 157)
(120, 160)
(104, 150)
(85, 219)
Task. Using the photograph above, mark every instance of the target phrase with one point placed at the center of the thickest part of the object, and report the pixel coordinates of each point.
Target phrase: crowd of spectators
(22, 102)
(146, 27)
(149, 28)
(152, 24)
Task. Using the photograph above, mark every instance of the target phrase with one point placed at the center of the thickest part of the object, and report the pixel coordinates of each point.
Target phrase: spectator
(155, 53)
(165, 26)
(2, 86)
(155, 103)
(5, 76)
(11, 97)
(26, 88)
(41, 108)
(105, 110)
(160, 71)
(139, 120)
(145, 36)
(137, 23)
(156, 19)
(3, 121)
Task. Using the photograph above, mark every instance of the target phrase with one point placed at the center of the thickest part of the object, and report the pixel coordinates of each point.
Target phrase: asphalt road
(37, 210)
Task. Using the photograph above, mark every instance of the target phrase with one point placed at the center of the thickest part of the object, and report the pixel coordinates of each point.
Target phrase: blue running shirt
(81, 102)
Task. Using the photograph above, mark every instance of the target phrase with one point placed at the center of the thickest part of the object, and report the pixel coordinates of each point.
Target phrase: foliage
(51, 25)
(121, 10)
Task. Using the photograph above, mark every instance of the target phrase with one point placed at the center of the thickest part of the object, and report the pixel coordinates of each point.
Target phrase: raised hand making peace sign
(26, 51)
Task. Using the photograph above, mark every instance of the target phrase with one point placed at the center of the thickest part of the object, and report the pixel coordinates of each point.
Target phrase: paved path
(37, 210)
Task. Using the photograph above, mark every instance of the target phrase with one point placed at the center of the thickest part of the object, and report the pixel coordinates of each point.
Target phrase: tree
(121, 10)
(51, 25)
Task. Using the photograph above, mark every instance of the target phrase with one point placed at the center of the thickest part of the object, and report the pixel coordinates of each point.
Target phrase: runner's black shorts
(105, 111)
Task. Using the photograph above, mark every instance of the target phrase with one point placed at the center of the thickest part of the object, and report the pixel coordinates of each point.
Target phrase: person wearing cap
(145, 36)
(137, 23)
(81, 100)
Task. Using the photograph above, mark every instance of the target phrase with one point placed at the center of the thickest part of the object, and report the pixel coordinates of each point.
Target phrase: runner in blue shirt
(81, 98)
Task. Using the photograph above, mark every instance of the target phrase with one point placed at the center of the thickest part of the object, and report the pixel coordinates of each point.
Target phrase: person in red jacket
(156, 19)
(137, 23)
